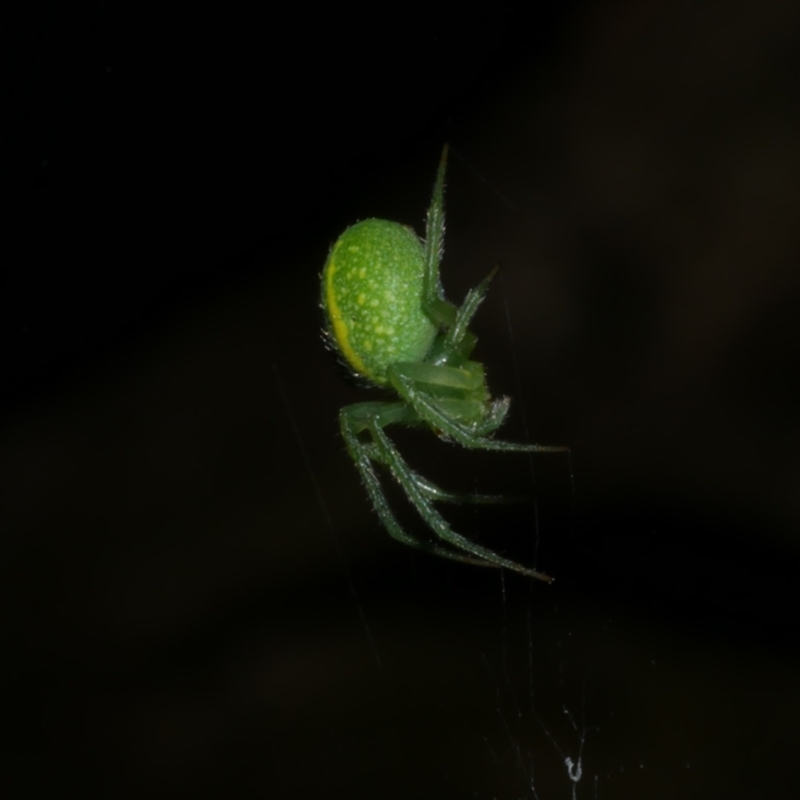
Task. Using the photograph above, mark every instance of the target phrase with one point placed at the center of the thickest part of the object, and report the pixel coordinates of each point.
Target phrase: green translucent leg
(466, 380)
(372, 417)
(359, 418)
(458, 341)
(458, 338)
(353, 420)
(474, 552)
(428, 409)
(435, 493)
(434, 304)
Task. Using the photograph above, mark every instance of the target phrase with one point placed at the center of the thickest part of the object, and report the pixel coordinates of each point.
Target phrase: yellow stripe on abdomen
(340, 332)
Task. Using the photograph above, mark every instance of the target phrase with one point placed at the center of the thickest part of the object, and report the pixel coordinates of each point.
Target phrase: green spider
(387, 316)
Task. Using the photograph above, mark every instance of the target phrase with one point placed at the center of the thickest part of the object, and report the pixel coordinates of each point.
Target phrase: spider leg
(439, 310)
(408, 480)
(356, 419)
(352, 420)
(439, 495)
(458, 338)
(373, 416)
(429, 410)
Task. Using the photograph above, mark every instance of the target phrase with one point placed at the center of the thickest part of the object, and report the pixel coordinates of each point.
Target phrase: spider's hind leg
(458, 338)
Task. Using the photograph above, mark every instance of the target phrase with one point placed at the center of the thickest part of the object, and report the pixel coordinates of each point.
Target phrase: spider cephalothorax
(388, 317)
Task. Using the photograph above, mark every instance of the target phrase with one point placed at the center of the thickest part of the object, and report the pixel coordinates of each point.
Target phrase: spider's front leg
(354, 421)
(455, 401)
(371, 418)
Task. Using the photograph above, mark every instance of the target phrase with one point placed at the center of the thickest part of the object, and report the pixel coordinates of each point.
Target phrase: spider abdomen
(372, 288)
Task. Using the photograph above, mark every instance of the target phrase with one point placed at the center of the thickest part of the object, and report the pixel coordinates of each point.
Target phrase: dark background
(198, 601)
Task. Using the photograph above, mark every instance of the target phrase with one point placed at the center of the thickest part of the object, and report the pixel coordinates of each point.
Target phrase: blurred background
(198, 599)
